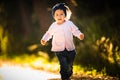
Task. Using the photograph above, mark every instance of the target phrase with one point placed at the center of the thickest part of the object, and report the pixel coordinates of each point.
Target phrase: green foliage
(100, 48)
(3, 41)
(103, 56)
(110, 55)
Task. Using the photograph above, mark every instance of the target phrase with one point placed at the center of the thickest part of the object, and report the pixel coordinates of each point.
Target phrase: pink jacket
(62, 36)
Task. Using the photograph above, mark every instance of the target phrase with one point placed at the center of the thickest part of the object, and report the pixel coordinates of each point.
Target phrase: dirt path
(22, 73)
(16, 72)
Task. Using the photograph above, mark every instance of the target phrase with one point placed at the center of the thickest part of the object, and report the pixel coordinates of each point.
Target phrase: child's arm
(81, 36)
(43, 42)
(45, 38)
(76, 32)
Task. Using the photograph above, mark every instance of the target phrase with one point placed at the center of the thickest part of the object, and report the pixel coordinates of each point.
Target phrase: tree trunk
(26, 20)
(41, 10)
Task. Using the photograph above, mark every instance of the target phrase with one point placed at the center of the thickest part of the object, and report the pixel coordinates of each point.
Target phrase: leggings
(66, 59)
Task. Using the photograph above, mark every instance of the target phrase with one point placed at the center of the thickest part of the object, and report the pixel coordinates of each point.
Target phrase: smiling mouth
(59, 19)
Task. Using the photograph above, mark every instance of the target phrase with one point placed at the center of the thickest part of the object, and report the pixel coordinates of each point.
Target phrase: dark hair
(60, 6)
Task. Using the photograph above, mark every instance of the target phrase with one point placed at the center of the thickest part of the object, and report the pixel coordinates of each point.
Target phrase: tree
(42, 12)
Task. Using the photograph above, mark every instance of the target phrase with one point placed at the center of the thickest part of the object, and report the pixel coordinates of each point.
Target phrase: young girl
(61, 31)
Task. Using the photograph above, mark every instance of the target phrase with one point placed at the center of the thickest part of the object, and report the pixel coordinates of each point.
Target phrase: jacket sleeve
(48, 35)
(76, 32)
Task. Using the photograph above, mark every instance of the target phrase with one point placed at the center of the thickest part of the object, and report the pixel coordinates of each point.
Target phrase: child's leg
(63, 64)
(70, 60)
(66, 62)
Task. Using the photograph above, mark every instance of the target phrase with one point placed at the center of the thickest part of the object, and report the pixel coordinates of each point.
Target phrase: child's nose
(59, 15)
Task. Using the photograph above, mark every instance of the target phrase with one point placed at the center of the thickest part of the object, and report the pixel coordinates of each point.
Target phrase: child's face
(59, 16)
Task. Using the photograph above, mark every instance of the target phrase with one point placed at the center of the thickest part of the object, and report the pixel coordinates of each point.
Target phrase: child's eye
(56, 15)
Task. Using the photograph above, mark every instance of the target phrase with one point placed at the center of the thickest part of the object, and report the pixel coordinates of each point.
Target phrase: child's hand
(81, 36)
(43, 42)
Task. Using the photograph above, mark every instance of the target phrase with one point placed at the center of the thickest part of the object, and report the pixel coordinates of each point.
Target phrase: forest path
(24, 73)
(18, 72)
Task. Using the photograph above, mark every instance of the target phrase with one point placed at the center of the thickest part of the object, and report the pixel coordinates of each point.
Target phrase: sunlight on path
(21, 73)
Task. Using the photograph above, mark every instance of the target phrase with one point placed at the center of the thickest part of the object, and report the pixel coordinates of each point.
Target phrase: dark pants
(66, 59)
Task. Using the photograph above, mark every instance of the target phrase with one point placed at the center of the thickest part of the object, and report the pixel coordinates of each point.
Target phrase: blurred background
(23, 23)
